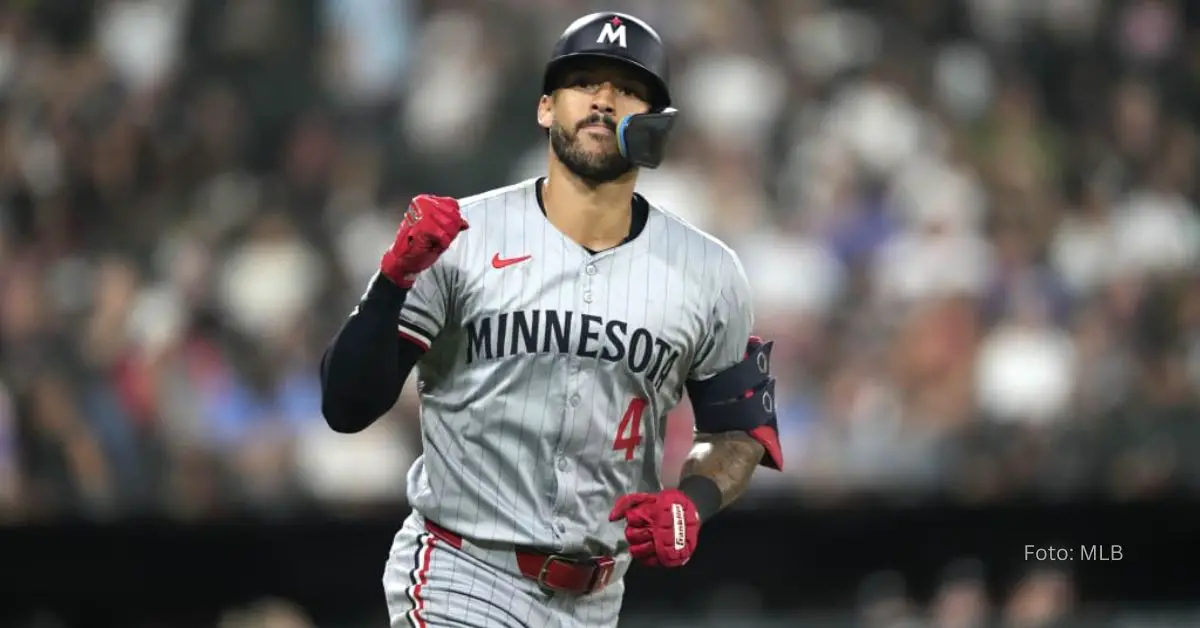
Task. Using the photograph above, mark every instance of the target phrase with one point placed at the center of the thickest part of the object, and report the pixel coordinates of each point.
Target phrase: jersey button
(591, 269)
(587, 297)
(574, 400)
(563, 464)
(561, 527)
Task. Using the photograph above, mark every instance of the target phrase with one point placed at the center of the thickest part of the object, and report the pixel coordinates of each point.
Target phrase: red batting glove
(662, 528)
(430, 225)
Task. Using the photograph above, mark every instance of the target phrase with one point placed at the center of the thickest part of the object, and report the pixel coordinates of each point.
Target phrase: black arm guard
(741, 399)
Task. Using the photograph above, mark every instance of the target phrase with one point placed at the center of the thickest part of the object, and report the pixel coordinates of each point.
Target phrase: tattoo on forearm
(728, 459)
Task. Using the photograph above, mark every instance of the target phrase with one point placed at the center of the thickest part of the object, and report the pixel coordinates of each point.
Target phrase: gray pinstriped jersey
(547, 382)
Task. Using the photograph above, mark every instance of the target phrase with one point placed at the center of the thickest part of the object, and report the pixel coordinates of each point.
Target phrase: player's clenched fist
(430, 225)
(662, 528)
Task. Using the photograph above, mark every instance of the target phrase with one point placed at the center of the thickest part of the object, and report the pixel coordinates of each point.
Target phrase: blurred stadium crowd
(970, 227)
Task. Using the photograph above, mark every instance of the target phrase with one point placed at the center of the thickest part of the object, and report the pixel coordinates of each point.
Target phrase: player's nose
(605, 98)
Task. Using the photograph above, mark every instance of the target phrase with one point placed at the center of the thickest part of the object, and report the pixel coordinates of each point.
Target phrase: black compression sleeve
(704, 493)
(364, 368)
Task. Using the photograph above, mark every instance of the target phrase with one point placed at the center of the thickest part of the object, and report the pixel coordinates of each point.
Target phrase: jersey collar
(640, 207)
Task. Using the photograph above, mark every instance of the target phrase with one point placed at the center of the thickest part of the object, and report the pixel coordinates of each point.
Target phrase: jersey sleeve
(730, 322)
(428, 304)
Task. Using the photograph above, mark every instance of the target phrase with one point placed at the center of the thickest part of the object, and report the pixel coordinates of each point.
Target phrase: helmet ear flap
(642, 137)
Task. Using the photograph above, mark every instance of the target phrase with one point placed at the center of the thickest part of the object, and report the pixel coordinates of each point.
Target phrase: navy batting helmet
(615, 36)
(630, 41)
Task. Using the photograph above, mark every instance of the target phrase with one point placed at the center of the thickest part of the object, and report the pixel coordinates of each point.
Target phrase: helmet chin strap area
(642, 137)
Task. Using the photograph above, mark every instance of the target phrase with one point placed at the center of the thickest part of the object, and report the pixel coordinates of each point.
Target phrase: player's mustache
(598, 118)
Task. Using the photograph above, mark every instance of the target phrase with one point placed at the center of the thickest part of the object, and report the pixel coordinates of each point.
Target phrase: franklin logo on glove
(412, 215)
(680, 527)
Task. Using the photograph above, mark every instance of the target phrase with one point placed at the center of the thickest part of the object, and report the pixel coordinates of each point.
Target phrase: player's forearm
(364, 368)
(718, 470)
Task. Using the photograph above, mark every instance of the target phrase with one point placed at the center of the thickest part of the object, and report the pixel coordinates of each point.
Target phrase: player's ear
(545, 111)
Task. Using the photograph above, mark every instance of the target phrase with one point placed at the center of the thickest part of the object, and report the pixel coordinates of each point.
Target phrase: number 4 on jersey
(629, 430)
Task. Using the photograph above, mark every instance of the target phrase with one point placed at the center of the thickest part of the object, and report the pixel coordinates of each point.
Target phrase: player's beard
(594, 169)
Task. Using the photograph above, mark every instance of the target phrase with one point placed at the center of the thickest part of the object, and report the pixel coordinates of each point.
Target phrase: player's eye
(632, 90)
(585, 83)
(591, 85)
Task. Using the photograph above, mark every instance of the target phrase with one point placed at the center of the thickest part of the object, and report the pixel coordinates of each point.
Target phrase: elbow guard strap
(732, 383)
(754, 414)
(754, 408)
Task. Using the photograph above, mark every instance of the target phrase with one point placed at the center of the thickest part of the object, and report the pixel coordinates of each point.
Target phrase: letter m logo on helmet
(613, 33)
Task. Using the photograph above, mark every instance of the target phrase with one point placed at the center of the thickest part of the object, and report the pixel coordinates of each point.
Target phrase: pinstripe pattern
(532, 367)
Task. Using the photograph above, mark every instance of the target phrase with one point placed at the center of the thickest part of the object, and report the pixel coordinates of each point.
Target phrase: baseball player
(553, 324)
